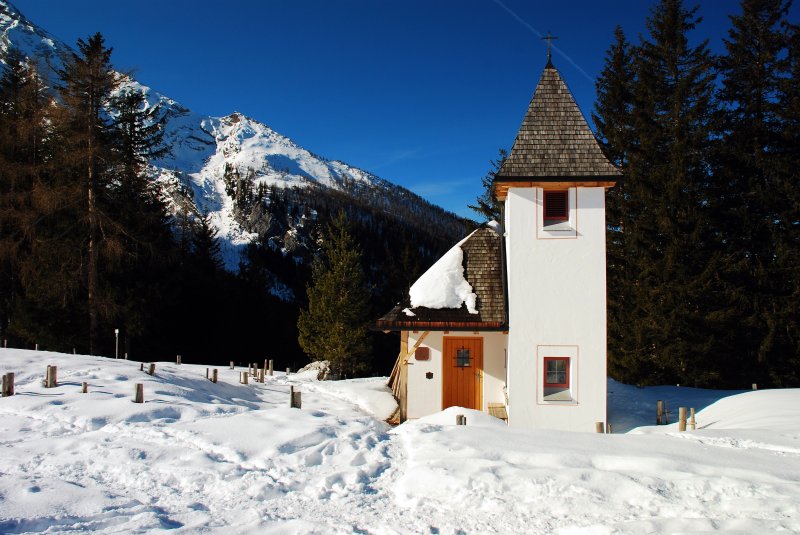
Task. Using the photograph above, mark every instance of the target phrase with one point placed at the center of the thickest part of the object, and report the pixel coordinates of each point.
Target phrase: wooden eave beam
(501, 187)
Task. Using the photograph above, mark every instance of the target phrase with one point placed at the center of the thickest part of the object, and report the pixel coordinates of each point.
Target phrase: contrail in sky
(538, 33)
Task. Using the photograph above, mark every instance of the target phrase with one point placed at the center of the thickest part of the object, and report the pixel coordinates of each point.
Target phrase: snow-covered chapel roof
(463, 290)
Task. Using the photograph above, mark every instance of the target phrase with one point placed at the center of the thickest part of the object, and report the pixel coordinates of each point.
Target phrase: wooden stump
(681, 419)
(138, 396)
(51, 377)
(84, 388)
(8, 384)
(600, 427)
(214, 375)
(295, 400)
(243, 377)
(152, 370)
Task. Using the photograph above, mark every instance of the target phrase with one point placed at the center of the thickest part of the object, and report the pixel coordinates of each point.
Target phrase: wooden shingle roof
(555, 143)
(484, 271)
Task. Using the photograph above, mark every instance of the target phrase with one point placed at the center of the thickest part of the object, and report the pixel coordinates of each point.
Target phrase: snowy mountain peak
(213, 157)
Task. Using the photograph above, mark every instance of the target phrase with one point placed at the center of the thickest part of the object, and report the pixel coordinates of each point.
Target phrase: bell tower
(553, 186)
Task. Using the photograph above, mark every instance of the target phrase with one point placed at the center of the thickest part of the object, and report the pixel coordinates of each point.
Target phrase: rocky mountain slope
(230, 168)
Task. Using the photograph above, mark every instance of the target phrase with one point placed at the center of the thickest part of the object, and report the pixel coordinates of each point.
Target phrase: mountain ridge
(209, 151)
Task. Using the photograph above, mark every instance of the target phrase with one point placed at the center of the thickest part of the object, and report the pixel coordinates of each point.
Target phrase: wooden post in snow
(207, 374)
(461, 419)
(295, 400)
(692, 423)
(84, 387)
(214, 375)
(141, 366)
(51, 377)
(178, 359)
(243, 376)
(681, 418)
(270, 367)
(659, 412)
(231, 364)
(152, 370)
(8, 384)
(138, 396)
(600, 427)
(755, 386)
(288, 371)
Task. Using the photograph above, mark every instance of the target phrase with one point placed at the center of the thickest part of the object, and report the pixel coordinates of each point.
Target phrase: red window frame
(556, 385)
(556, 205)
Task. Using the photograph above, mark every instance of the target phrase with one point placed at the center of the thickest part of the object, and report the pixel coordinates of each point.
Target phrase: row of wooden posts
(662, 416)
(51, 380)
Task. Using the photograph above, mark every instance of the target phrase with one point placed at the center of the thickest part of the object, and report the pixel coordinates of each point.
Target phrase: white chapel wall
(425, 394)
(557, 298)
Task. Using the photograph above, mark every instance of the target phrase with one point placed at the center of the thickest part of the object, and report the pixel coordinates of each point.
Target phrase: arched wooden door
(462, 373)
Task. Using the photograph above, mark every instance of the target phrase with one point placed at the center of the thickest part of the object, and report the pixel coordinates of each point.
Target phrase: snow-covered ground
(231, 458)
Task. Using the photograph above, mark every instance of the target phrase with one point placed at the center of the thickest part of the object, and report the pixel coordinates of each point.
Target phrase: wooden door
(462, 373)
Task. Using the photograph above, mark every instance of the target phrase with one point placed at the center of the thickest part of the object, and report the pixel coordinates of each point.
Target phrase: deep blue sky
(422, 93)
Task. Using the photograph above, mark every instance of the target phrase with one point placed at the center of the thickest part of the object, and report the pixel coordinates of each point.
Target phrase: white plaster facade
(557, 308)
(425, 395)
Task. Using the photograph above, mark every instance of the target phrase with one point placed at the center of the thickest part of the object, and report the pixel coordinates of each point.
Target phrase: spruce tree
(613, 119)
(668, 248)
(148, 248)
(334, 326)
(755, 192)
(487, 206)
(88, 82)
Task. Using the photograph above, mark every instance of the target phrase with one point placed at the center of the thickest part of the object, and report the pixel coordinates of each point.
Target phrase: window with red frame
(556, 372)
(556, 205)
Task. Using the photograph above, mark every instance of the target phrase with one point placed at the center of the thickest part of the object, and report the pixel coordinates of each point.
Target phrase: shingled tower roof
(555, 142)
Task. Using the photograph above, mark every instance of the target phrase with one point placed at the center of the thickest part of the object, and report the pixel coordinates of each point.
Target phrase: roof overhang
(411, 325)
(503, 183)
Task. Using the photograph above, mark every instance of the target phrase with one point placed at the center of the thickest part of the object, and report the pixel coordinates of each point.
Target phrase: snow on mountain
(204, 148)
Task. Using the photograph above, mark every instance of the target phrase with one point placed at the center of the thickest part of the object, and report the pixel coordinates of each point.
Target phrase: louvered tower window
(556, 205)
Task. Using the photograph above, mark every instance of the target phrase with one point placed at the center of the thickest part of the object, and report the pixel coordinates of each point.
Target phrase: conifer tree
(140, 214)
(613, 119)
(88, 83)
(487, 206)
(334, 326)
(668, 242)
(25, 140)
(755, 192)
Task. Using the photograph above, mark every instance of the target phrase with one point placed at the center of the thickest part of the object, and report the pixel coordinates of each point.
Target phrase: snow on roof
(444, 285)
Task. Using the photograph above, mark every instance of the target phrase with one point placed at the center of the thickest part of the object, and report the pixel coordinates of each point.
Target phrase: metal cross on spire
(549, 38)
